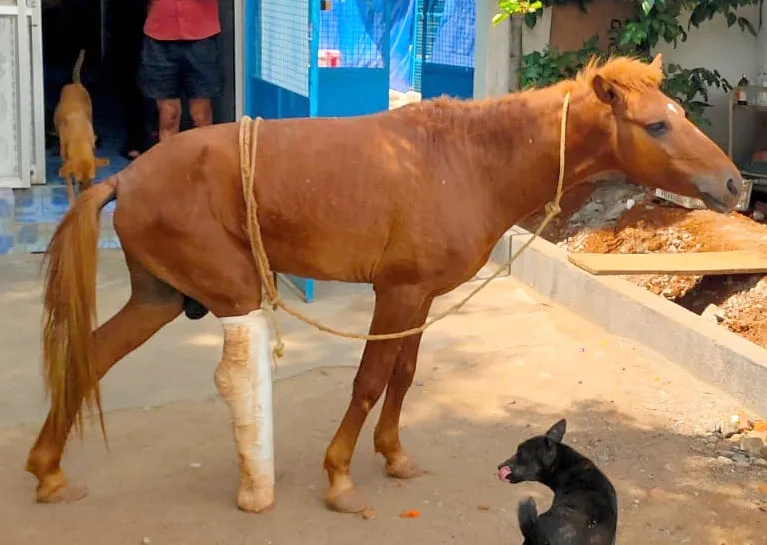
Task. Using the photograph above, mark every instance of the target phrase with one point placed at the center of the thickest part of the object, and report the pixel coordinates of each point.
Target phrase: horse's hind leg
(396, 309)
(386, 436)
(152, 305)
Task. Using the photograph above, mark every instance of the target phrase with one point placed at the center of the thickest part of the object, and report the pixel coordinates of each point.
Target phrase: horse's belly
(325, 259)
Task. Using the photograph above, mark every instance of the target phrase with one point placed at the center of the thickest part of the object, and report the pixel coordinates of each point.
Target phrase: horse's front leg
(386, 437)
(396, 309)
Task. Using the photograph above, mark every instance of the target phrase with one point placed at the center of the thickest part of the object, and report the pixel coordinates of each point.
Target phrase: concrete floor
(505, 367)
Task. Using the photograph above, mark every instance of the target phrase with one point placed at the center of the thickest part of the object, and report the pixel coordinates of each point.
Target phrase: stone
(712, 439)
(734, 439)
(752, 445)
(740, 459)
(724, 460)
(760, 462)
(713, 313)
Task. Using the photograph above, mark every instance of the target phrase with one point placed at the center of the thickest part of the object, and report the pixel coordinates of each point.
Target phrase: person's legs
(201, 111)
(160, 78)
(201, 78)
(170, 116)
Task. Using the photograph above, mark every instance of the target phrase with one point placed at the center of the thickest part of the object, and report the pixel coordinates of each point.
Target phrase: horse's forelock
(629, 73)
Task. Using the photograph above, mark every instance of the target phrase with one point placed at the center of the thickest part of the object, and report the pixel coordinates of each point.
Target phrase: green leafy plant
(689, 86)
(513, 7)
(542, 68)
(655, 21)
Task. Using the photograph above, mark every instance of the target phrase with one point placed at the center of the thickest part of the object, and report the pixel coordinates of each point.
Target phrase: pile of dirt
(619, 217)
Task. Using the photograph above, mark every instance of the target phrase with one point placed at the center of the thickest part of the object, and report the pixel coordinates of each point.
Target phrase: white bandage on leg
(244, 380)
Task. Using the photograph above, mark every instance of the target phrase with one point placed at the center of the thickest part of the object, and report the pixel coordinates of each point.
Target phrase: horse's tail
(69, 312)
(78, 66)
(527, 515)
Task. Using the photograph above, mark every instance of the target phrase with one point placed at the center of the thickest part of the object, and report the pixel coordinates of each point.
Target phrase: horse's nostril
(733, 186)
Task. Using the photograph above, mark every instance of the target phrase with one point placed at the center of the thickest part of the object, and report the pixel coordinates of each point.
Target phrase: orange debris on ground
(412, 514)
(617, 217)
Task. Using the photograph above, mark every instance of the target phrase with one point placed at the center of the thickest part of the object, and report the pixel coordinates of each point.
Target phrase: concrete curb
(710, 352)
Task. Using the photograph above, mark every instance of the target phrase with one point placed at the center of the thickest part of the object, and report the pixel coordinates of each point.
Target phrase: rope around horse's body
(248, 141)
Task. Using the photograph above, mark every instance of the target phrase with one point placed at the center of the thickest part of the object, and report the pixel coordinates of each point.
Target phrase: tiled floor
(28, 218)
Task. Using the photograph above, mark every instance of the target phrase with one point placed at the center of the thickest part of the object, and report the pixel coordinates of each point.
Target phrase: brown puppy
(73, 119)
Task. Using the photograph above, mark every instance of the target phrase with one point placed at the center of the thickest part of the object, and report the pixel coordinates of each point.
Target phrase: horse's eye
(657, 129)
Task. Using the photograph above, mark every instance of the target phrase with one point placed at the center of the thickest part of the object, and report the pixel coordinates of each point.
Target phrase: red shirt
(181, 19)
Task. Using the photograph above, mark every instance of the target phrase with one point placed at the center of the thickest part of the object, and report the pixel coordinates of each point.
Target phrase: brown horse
(410, 200)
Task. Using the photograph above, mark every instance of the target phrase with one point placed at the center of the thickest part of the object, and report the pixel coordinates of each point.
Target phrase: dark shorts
(172, 69)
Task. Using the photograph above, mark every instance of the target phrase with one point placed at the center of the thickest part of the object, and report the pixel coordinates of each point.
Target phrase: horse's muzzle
(720, 193)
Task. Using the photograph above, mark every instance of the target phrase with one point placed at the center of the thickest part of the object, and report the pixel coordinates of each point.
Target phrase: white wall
(732, 53)
(491, 52)
(714, 46)
(538, 37)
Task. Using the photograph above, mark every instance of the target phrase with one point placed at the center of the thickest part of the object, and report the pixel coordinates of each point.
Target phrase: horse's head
(654, 143)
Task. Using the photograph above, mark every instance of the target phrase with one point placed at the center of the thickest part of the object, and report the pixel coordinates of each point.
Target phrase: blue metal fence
(354, 37)
(303, 61)
(307, 58)
(444, 58)
(278, 70)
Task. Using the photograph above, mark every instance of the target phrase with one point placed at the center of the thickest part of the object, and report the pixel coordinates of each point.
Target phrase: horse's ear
(605, 90)
(657, 62)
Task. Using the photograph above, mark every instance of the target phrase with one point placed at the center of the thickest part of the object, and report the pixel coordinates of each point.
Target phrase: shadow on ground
(506, 367)
(171, 474)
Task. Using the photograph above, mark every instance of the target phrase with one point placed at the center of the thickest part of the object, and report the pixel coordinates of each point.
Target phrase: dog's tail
(78, 66)
(527, 515)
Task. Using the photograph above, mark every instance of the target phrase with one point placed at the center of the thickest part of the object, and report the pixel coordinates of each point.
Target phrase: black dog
(585, 507)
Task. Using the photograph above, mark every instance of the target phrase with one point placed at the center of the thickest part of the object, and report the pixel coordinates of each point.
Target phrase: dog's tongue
(504, 472)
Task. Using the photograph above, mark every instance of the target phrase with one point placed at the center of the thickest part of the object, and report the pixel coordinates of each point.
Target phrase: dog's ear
(557, 431)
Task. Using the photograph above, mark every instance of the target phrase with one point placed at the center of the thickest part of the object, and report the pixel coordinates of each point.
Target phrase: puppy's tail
(78, 66)
(527, 515)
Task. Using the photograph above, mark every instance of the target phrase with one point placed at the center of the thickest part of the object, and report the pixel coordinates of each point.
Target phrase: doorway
(111, 33)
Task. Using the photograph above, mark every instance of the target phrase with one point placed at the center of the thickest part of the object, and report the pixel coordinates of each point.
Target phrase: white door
(22, 123)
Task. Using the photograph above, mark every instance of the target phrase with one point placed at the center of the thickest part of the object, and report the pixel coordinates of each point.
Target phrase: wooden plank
(703, 263)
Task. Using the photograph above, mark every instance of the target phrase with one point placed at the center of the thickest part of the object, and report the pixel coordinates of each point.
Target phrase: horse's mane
(627, 72)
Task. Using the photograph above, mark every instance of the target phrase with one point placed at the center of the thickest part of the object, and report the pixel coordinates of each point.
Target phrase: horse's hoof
(60, 491)
(346, 501)
(404, 467)
(254, 502)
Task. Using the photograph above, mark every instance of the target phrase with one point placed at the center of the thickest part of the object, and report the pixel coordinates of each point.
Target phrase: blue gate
(354, 48)
(279, 72)
(316, 58)
(444, 55)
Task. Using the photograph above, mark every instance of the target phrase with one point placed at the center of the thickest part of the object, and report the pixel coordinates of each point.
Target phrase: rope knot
(279, 349)
(553, 209)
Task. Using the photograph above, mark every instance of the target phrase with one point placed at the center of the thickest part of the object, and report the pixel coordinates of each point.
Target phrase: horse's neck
(520, 174)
